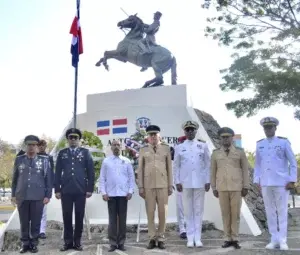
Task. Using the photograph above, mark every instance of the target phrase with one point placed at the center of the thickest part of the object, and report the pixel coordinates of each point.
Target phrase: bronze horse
(160, 58)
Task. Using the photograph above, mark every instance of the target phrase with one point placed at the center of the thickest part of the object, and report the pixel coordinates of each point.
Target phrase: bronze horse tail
(174, 72)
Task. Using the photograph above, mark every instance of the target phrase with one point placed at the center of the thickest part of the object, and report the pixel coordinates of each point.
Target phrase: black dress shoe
(161, 245)
(227, 244)
(112, 248)
(183, 235)
(121, 247)
(34, 249)
(151, 245)
(42, 236)
(25, 248)
(66, 247)
(78, 247)
(236, 245)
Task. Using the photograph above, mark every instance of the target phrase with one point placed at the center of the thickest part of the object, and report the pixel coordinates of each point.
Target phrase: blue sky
(37, 78)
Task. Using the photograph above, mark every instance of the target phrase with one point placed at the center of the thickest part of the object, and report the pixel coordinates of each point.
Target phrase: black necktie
(154, 148)
(227, 151)
(73, 152)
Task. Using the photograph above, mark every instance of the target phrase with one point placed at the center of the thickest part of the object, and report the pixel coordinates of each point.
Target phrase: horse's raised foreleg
(108, 55)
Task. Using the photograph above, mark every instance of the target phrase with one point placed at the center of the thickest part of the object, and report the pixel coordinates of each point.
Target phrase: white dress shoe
(283, 246)
(190, 244)
(271, 246)
(199, 244)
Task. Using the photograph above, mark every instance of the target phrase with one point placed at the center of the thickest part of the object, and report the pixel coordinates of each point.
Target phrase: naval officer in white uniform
(192, 177)
(276, 177)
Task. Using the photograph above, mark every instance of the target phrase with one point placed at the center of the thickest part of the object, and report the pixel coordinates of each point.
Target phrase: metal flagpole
(76, 72)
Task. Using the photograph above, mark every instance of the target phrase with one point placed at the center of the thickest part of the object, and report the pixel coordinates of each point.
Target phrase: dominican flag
(76, 46)
(115, 126)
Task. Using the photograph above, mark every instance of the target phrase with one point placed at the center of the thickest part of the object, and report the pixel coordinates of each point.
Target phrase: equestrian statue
(143, 52)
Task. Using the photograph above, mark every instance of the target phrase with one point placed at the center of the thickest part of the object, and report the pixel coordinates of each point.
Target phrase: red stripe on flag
(103, 131)
(75, 30)
(119, 122)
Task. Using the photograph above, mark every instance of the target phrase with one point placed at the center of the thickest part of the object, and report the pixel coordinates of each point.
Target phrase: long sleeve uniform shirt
(275, 162)
(116, 176)
(192, 164)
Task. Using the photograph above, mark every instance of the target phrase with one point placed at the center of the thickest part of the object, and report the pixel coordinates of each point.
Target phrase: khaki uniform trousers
(230, 203)
(157, 196)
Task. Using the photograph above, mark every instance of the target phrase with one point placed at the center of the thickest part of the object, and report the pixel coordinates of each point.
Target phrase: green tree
(6, 163)
(6, 168)
(265, 36)
(251, 158)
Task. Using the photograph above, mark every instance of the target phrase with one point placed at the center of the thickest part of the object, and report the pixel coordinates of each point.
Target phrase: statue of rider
(150, 31)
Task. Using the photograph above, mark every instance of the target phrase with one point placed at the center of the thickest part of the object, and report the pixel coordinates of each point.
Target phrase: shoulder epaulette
(199, 140)
(165, 144)
(260, 140)
(217, 149)
(20, 156)
(280, 137)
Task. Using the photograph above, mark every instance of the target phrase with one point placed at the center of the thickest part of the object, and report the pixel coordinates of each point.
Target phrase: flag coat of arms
(114, 126)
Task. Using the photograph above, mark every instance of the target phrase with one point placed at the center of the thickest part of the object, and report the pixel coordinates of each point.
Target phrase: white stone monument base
(165, 106)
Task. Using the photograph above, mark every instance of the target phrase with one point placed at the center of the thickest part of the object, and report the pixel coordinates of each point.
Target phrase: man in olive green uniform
(229, 182)
(155, 182)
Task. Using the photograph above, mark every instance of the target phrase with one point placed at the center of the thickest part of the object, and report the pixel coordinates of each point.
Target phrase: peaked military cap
(31, 139)
(269, 121)
(225, 131)
(152, 129)
(73, 131)
(190, 124)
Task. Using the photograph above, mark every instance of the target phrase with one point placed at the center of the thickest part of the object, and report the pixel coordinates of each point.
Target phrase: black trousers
(30, 215)
(68, 201)
(117, 208)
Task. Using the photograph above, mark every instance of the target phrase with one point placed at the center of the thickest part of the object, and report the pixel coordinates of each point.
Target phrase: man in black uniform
(42, 151)
(31, 189)
(74, 182)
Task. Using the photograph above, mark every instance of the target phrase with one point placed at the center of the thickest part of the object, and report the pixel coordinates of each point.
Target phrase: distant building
(237, 139)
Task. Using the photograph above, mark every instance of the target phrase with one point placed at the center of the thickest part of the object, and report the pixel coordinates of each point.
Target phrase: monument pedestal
(165, 106)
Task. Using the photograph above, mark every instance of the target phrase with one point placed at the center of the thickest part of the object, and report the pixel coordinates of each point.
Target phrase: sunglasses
(268, 127)
(189, 130)
(73, 137)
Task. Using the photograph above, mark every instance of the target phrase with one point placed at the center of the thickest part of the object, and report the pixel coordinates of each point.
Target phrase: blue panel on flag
(103, 123)
(119, 130)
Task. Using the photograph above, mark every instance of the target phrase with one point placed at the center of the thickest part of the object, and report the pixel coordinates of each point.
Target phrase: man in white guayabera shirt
(117, 185)
(192, 177)
(275, 172)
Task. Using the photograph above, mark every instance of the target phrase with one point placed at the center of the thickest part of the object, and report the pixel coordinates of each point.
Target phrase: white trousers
(44, 220)
(180, 212)
(193, 200)
(276, 203)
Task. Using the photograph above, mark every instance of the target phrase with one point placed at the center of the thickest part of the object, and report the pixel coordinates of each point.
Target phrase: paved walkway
(175, 246)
